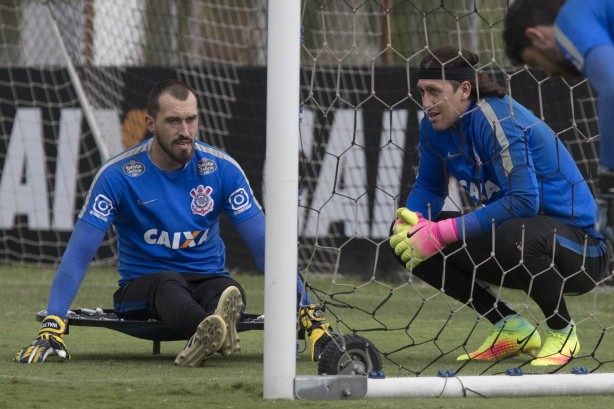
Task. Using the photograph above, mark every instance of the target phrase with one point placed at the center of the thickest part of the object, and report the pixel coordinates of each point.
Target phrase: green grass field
(113, 370)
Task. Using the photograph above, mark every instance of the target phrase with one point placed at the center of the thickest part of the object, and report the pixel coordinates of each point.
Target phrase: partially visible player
(573, 37)
(532, 228)
(164, 198)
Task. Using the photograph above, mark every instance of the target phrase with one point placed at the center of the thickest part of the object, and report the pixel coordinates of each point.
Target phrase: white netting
(359, 139)
(75, 78)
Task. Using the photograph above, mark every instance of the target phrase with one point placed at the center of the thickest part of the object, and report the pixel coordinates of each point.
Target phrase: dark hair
(521, 15)
(450, 57)
(177, 89)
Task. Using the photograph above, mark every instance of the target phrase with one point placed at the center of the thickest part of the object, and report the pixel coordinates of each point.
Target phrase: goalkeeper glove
(423, 239)
(406, 219)
(48, 343)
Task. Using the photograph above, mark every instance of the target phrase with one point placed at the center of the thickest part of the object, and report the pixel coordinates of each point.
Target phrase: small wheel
(358, 358)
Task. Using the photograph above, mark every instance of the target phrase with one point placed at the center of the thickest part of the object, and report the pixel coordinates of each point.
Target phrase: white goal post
(354, 387)
(281, 173)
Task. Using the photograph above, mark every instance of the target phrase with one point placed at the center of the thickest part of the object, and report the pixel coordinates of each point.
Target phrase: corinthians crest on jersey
(202, 202)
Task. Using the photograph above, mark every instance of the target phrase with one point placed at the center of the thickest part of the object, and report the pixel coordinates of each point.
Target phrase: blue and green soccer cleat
(559, 347)
(509, 337)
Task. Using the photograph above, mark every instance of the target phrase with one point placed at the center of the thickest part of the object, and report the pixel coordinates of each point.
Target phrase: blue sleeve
(82, 246)
(582, 26)
(431, 186)
(599, 65)
(504, 143)
(239, 202)
(252, 232)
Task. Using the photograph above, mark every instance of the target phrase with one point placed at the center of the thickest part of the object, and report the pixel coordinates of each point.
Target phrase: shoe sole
(208, 339)
(229, 308)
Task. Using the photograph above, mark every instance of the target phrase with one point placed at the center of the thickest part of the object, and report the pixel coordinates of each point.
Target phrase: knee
(508, 234)
(430, 271)
(508, 244)
(241, 289)
(170, 276)
(172, 279)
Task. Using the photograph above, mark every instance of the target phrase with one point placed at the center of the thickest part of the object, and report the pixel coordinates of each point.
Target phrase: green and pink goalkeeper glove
(406, 219)
(415, 238)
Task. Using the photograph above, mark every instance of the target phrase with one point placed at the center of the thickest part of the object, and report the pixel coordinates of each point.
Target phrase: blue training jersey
(169, 220)
(511, 166)
(584, 31)
(582, 25)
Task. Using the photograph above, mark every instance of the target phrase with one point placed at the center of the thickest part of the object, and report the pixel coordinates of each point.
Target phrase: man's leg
(223, 296)
(163, 296)
(167, 297)
(222, 299)
(557, 259)
(510, 334)
(206, 341)
(460, 282)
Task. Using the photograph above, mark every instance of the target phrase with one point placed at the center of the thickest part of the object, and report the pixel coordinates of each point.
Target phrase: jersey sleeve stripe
(571, 51)
(497, 128)
(130, 152)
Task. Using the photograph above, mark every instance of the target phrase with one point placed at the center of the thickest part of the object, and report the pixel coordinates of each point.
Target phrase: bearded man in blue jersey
(533, 225)
(164, 198)
(573, 37)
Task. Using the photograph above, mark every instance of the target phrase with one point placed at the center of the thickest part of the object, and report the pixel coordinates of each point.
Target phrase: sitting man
(164, 198)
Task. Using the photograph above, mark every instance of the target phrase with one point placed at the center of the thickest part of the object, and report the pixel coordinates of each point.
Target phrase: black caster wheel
(349, 355)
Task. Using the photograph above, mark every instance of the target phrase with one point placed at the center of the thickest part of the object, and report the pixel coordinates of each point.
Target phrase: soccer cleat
(558, 348)
(229, 308)
(207, 340)
(313, 322)
(508, 337)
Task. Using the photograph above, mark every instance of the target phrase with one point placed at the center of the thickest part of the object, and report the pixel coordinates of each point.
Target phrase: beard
(568, 68)
(562, 65)
(179, 156)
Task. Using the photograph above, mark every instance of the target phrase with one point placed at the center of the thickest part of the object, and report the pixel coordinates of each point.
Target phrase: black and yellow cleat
(318, 330)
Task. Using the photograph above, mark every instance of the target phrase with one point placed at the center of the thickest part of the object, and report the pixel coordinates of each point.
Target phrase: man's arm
(252, 233)
(430, 189)
(82, 246)
(600, 72)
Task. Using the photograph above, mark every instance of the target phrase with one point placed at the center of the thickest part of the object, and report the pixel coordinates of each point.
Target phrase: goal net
(359, 159)
(74, 77)
(73, 89)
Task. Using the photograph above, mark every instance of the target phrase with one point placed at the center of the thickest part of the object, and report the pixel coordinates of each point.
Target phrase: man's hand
(48, 343)
(406, 220)
(423, 239)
